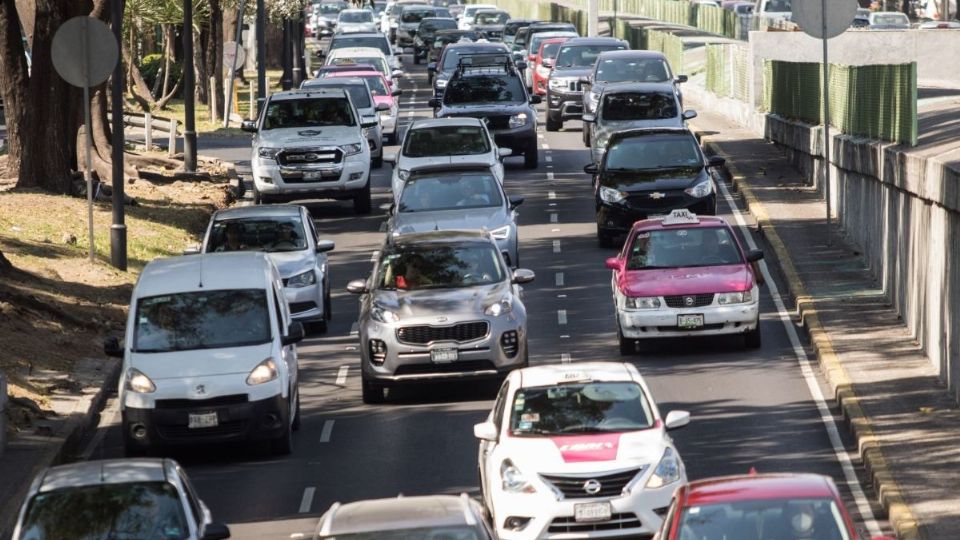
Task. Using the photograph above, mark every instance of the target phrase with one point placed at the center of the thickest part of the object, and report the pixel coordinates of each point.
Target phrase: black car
(491, 23)
(574, 62)
(440, 72)
(426, 34)
(512, 26)
(445, 37)
(489, 87)
(409, 21)
(648, 172)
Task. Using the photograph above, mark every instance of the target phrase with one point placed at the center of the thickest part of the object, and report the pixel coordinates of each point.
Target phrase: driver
(233, 242)
(474, 195)
(801, 518)
(286, 238)
(413, 276)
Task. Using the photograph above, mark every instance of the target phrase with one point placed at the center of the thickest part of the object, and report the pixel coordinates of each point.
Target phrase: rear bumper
(620, 218)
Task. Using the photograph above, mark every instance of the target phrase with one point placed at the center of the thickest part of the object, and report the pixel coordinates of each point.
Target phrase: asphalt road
(750, 408)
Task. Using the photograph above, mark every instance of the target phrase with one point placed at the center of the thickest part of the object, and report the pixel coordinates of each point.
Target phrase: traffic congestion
(492, 256)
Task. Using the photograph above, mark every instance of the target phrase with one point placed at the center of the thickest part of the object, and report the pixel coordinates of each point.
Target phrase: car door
(288, 353)
(488, 463)
(320, 259)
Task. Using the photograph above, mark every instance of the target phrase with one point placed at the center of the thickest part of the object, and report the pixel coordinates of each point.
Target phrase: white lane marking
(307, 501)
(558, 278)
(564, 336)
(552, 195)
(326, 431)
(374, 255)
(552, 204)
(354, 328)
(561, 296)
(550, 175)
(342, 375)
(549, 166)
(565, 358)
(540, 134)
(556, 246)
(553, 217)
(554, 230)
(561, 316)
(545, 146)
(846, 464)
(549, 159)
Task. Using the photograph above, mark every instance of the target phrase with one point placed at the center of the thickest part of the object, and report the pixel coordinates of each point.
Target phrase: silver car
(467, 196)
(439, 305)
(367, 109)
(630, 106)
(288, 235)
(411, 518)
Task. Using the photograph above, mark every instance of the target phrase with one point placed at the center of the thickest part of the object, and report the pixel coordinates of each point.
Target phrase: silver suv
(439, 305)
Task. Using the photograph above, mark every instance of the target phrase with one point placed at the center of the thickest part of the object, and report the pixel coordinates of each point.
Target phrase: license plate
(592, 512)
(312, 175)
(442, 356)
(203, 420)
(690, 322)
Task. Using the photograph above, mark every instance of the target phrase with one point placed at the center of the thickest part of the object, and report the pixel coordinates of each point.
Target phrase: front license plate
(203, 420)
(690, 322)
(592, 512)
(312, 175)
(443, 356)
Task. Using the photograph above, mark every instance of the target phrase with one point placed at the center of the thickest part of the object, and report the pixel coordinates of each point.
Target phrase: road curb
(891, 497)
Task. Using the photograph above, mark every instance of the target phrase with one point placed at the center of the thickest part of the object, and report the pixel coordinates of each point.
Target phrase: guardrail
(150, 124)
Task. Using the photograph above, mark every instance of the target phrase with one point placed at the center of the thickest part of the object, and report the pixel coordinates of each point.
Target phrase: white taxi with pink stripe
(578, 451)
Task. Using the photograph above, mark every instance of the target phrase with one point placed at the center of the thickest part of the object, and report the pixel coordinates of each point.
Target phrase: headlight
(543, 71)
(500, 307)
(611, 195)
(268, 153)
(265, 371)
(139, 383)
(641, 302)
(513, 480)
(502, 233)
(725, 299)
(518, 120)
(602, 141)
(593, 98)
(383, 315)
(667, 471)
(352, 149)
(403, 174)
(302, 280)
(441, 83)
(702, 189)
(559, 84)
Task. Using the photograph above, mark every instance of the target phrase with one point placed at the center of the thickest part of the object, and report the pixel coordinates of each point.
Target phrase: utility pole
(593, 18)
(189, 124)
(261, 56)
(118, 230)
(286, 78)
(298, 60)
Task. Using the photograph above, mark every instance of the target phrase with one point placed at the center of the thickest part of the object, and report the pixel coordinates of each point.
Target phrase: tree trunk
(162, 102)
(201, 41)
(140, 90)
(168, 57)
(215, 56)
(14, 83)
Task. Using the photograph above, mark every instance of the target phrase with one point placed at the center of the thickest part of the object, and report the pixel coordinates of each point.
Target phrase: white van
(209, 355)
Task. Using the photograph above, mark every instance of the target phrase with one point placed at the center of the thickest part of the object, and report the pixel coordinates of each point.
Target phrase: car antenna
(200, 283)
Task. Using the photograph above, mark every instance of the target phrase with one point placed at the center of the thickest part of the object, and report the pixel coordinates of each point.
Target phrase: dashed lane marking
(556, 246)
(374, 255)
(565, 358)
(342, 375)
(553, 217)
(561, 316)
(552, 195)
(549, 159)
(327, 431)
(307, 500)
(354, 329)
(546, 146)
(550, 175)
(558, 279)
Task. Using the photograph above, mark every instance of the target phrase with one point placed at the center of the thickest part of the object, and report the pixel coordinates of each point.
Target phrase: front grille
(299, 307)
(618, 521)
(310, 156)
(465, 366)
(689, 300)
(221, 401)
(422, 335)
(717, 326)
(224, 429)
(575, 86)
(498, 122)
(611, 485)
(665, 201)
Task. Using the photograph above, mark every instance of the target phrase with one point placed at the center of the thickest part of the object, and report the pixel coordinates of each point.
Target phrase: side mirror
(522, 275)
(357, 286)
(547, 63)
(396, 74)
(486, 431)
(215, 531)
(504, 152)
(532, 57)
(368, 124)
(589, 118)
(680, 79)
(591, 168)
(584, 80)
(249, 126)
(112, 348)
(433, 103)
(382, 107)
(432, 67)
(716, 161)
(689, 114)
(396, 92)
(295, 334)
(535, 100)
(390, 158)
(754, 255)
(613, 263)
(676, 419)
(521, 65)
(192, 249)
(515, 202)
(324, 246)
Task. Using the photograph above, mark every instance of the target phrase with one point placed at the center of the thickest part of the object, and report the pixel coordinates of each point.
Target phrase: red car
(382, 93)
(542, 63)
(759, 507)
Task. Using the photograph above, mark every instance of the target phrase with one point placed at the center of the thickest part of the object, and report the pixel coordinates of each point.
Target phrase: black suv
(425, 35)
(574, 61)
(489, 87)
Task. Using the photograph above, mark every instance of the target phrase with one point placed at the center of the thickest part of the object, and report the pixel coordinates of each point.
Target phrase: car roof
(476, 46)
(213, 271)
(636, 132)
(632, 86)
(354, 10)
(543, 24)
(759, 487)
(309, 93)
(448, 236)
(656, 223)
(377, 35)
(398, 514)
(631, 53)
(595, 41)
(522, 20)
(356, 73)
(348, 51)
(100, 472)
(418, 6)
(553, 374)
(332, 81)
(451, 121)
(257, 211)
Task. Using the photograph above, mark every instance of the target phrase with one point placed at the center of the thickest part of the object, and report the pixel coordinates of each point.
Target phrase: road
(750, 408)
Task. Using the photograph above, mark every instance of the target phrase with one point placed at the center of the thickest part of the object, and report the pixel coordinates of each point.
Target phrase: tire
(257, 197)
(586, 134)
(627, 346)
(372, 394)
(283, 445)
(553, 124)
(531, 158)
(134, 450)
(416, 57)
(604, 239)
(295, 426)
(362, 202)
(752, 339)
(327, 305)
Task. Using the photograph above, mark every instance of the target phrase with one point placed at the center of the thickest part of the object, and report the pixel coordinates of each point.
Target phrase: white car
(445, 140)
(470, 13)
(578, 451)
(355, 20)
(365, 55)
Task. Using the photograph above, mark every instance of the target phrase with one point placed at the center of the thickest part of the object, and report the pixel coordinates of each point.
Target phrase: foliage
(151, 65)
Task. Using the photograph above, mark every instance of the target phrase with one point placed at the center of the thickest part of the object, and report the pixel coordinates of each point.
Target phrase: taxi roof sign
(680, 216)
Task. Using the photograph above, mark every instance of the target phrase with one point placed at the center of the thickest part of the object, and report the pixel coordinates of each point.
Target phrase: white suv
(310, 144)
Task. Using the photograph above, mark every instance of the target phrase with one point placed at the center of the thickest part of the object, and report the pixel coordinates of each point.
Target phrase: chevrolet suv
(564, 90)
(310, 144)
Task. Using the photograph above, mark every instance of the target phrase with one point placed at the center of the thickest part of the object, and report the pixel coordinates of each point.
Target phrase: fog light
(356, 176)
(138, 431)
(515, 523)
(378, 351)
(510, 342)
(266, 179)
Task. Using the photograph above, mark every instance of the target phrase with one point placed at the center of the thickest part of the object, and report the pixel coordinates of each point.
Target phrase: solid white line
(553, 217)
(550, 175)
(326, 431)
(809, 376)
(342, 375)
(552, 195)
(561, 316)
(559, 279)
(307, 501)
(565, 358)
(374, 255)
(556, 246)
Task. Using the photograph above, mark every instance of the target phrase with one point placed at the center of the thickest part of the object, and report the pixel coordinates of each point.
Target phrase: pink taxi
(683, 275)
(382, 93)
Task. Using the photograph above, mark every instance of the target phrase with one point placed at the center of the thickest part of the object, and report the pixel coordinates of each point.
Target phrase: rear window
(374, 42)
(375, 82)
(484, 89)
(640, 106)
(442, 24)
(414, 16)
(305, 113)
(637, 70)
(492, 18)
(583, 55)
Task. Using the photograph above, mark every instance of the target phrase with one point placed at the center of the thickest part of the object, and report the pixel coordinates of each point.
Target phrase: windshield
(778, 6)
(582, 55)
(430, 27)
(809, 519)
(674, 248)
(376, 61)
(373, 42)
(450, 191)
(445, 141)
(432, 533)
(257, 234)
(331, 9)
(593, 407)
(639, 106)
(484, 89)
(549, 50)
(649, 152)
(636, 70)
(303, 113)
(537, 39)
(143, 510)
(375, 82)
(492, 18)
(356, 16)
(412, 268)
(414, 16)
(201, 320)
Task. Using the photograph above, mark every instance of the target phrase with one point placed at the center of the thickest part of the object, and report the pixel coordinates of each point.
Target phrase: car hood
(293, 137)
(593, 453)
(384, 99)
(472, 218)
(409, 163)
(201, 362)
(451, 303)
(689, 280)
(291, 263)
(640, 181)
(571, 71)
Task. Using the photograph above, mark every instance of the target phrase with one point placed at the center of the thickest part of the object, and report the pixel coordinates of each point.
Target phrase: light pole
(189, 125)
(118, 230)
(261, 56)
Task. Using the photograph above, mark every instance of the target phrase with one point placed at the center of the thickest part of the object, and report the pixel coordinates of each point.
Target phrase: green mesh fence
(728, 70)
(670, 45)
(712, 19)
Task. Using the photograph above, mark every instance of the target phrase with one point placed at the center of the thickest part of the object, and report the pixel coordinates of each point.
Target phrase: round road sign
(810, 14)
(231, 49)
(84, 51)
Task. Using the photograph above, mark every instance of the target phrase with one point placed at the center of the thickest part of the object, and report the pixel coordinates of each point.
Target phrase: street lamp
(118, 230)
(189, 126)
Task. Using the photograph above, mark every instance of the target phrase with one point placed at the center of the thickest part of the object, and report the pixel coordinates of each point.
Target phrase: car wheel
(295, 426)
(553, 124)
(586, 134)
(531, 158)
(283, 445)
(327, 305)
(604, 238)
(361, 201)
(627, 346)
(752, 339)
(372, 394)
(132, 449)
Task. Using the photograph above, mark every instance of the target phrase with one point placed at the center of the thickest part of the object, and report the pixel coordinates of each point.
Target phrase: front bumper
(405, 37)
(306, 303)
(520, 139)
(662, 322)
(568, 105)
(388, 123)
(621, 217)
(340, 180)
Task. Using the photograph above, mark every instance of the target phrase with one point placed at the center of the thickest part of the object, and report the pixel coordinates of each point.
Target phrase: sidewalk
(904, 421)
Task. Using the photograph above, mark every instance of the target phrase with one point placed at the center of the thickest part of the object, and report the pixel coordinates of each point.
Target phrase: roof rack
(485, 60)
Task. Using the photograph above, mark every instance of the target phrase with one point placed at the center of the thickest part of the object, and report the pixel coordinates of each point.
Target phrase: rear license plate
(690, 322)
(444, 356)
(592, 512)
(203, 420)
